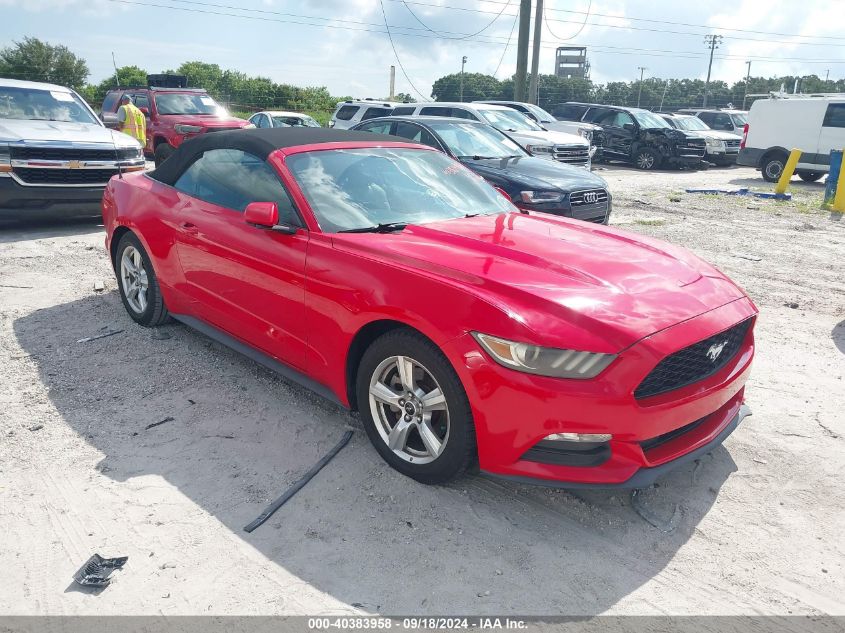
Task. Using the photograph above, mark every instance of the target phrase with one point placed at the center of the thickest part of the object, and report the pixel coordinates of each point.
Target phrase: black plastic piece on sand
(278, 503)
(95, 572)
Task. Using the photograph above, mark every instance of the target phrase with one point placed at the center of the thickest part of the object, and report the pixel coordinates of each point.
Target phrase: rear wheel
(646, 158)
(137, 282)
(414, 408)
(163, 152)
(810, 176)
(772, 166)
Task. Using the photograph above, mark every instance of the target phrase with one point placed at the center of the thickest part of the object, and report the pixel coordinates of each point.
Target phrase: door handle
(189, 227)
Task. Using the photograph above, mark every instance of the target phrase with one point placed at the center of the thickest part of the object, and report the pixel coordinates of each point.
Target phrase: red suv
(173, 115)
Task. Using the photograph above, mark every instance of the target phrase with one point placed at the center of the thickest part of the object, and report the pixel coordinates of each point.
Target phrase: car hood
(203, 121)
(672, 133)
(718, 135)
(547, 137)
(537, 172)
(542, 270)
(18, 130)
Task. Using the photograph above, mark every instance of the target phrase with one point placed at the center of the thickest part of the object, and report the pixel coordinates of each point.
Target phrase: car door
(242, 279)
(417, 134)
(832, 134)
(618, 138)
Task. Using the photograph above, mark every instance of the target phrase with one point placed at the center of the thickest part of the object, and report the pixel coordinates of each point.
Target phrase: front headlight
(544, 361)
(587, 134)
(249, 126)
(187, 129)
(537, 197)
(713, 143)
(130, 153)
(542, 150)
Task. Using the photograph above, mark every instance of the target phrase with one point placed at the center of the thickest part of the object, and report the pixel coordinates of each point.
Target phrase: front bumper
(23, 203)
(514, 411)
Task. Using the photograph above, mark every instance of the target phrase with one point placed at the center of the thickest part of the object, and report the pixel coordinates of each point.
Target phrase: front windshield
(542, 115)
(187, 103)
(739, 119)
(509, 120)
(43, 105)
(649, 119)
(302, 120)
(360, 188)
(468, 140)
(691, 123)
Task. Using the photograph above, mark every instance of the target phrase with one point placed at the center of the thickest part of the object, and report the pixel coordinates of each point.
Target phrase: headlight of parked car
(587, 134)
(544, 361)
(187, 129)
(537, 197)
(5, 160)
(130, 153)
(541, 150)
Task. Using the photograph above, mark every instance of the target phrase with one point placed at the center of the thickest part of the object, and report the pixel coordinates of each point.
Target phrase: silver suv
(56, 156)
(349, 113)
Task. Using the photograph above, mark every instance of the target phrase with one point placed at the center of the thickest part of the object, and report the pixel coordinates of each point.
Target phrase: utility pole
(534, 91)
(642, 69)
(392, 83)
(826, 74)
(463, 63)
(665, 88)
(519, 84)
(747, 79)
(713, 42)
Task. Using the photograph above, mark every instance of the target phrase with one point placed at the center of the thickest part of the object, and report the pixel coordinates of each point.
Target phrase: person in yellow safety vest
(132, 120)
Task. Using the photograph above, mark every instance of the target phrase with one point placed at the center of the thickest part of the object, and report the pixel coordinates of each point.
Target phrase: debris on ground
(160, 335)
(36, 427)
(674, 198)
(159, 423)
(791, 304)
(753, 258)
(96, 570)
(99, 286)
(99, 336)
(278, 503)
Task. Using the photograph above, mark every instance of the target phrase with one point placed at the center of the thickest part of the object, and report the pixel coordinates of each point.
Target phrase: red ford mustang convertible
(389, 278)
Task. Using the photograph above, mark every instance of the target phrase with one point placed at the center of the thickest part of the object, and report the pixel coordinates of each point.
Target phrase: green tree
(35, 60)
(477, 86)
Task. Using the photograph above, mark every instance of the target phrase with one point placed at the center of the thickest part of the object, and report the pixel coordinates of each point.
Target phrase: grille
(693, 363)
(654, 442)
(692, 147)
(590, 205)
(221, 129)
(572, 154)
(732, 146)
(61, 153)
(64, 176)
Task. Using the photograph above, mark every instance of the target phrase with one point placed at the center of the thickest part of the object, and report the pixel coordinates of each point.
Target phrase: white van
(572, 149)
(813, 124)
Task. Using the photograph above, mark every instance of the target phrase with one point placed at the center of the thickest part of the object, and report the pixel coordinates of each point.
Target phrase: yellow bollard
(788, 170)
(839, 198)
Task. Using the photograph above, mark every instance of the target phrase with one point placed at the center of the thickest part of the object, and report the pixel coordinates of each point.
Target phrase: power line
(498, 15)
(507, 44)
(396, 55)
(571, 37)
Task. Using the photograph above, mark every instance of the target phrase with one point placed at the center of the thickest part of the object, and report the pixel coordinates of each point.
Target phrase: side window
(463, 114)
(722, 122)
(403, 111)
(598, 115)
(373, 113)
(141, 101)
(416, 134)
(263, 121)
(707, 117)
(110, 102)
(232, 179)
(835, 115)
(620, 119)
(379, 127)
(436, 111)
(346, 112)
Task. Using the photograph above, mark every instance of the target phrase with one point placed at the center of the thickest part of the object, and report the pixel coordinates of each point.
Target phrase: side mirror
(265, 215)
(145, 111)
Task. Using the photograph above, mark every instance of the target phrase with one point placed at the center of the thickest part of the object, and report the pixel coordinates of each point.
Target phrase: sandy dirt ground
(754, 528)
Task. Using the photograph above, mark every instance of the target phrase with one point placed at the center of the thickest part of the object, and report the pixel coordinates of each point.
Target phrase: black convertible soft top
(258, 142)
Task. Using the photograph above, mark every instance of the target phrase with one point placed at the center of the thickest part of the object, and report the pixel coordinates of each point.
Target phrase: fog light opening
(578, 437)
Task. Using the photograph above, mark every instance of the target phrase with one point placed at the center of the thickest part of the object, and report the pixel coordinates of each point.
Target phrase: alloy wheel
(774, 169)
(645, 160)
(409, 409)
(133, 279)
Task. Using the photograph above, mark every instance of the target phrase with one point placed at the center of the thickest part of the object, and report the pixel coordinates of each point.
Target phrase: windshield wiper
(387, 227)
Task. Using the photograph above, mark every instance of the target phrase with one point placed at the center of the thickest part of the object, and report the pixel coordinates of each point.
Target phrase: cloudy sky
(342, 44)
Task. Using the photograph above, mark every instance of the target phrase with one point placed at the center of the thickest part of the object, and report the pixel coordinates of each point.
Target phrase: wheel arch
(116, 236)
(772, 150)
(362, 339)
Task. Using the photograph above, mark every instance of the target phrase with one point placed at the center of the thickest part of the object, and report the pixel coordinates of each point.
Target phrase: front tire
(138, 284)
(414, 409)
(646, 159)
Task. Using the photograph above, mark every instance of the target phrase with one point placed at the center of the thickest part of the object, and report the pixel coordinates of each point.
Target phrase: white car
(349, 113)
(546, 120)
(281, 118)
(815, 125)
(721, 147)
(56, 156)
(726, 120)
(572, 149)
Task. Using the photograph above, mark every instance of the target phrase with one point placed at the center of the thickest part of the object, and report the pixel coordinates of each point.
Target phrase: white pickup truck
(56, 156)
